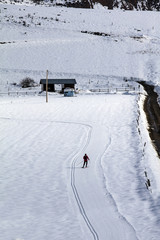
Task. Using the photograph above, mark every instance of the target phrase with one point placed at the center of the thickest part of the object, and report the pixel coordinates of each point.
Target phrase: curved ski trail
(96, 205)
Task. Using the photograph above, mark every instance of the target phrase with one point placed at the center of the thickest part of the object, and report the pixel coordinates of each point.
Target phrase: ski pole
(79, 163)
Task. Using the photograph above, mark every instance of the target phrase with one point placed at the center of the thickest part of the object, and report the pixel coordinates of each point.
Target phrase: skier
(85, 158)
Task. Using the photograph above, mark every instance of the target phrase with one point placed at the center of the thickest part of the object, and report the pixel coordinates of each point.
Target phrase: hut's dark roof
(58, 81)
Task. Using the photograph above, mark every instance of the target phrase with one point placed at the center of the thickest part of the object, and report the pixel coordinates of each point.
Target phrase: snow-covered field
(44, 192)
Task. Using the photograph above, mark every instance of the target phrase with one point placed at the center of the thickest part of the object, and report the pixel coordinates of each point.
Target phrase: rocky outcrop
(142, 5)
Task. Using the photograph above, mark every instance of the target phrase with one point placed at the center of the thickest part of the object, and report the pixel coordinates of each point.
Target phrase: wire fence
(129, 89)
(122, 89)
(20, 93)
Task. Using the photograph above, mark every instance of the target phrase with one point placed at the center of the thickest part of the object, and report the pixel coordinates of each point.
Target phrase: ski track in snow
(81, 207)
(120, 202)
(77, 198)
(102, 175)
(95, 133)
(74, 157)
(73, 164)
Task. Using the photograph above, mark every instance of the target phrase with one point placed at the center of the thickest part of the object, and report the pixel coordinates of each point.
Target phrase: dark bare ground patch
(6, 42)
(152, 110)
(97, 33)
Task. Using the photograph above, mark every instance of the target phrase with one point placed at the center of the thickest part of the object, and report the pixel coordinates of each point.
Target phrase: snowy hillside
(62, 40)
(140, 5)
(45, 194)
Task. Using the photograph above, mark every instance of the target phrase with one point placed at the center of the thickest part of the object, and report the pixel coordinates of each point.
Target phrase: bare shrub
(27, 82)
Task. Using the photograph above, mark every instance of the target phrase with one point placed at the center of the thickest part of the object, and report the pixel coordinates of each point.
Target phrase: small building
(61, 84)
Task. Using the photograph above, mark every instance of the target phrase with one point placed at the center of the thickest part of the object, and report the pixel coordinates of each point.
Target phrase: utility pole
(47, 86)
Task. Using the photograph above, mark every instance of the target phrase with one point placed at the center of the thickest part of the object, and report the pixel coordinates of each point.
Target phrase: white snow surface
(39, 38)
(44, 192)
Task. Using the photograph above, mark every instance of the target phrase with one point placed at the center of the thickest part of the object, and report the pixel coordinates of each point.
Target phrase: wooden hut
(63, 83)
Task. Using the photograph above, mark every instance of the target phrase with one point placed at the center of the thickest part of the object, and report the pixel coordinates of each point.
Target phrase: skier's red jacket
(86, 158)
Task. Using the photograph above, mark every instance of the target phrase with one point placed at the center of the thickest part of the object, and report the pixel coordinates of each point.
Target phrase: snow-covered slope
(62, 40)
(44, 192)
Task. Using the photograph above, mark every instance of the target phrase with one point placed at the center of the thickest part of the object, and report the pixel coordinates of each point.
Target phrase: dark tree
(27, 82)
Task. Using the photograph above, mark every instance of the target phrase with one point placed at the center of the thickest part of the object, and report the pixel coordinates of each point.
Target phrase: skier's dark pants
(85, 163)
